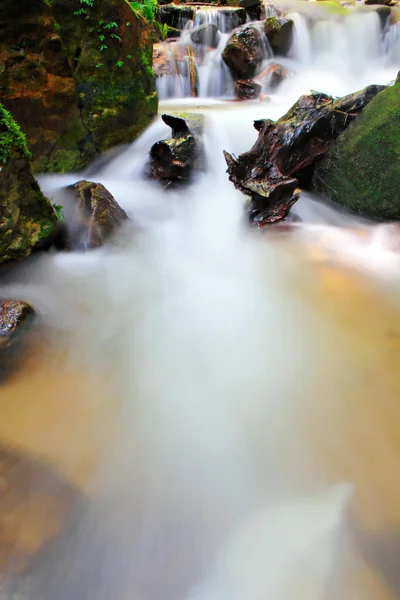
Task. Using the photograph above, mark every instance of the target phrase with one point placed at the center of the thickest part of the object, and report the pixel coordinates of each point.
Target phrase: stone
(14, 316)
(246, 89)
(27, 218)
(283, 157)
(272, 75)
(76, 95)
(174, 161)
(175, 15)
(244, 51)
(279, 32)
(361, 170)
(99, 216)
(206, 35)
(35, 505)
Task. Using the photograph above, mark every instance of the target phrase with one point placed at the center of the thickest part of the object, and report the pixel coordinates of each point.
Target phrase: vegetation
(11, 137)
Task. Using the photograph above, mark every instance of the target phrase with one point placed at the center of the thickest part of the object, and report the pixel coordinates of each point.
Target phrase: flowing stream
(212, 388)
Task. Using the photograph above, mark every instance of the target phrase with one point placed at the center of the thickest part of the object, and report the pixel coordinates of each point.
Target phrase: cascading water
(219, 363)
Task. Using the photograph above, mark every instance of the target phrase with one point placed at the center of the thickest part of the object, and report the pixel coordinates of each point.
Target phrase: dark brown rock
(99, 216)
(246, 89)
(273, 75)
(244, 51)
(14, 316)
(174, 161)
(286, 150)
(279, 32)
(175, 15)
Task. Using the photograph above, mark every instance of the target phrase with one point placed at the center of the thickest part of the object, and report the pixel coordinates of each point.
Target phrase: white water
(326, 48)
(214, 353)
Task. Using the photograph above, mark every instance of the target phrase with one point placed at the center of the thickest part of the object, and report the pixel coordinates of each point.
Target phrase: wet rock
(279, 32)
(272, 76)
(253, 8)
(282, 159)
(99, 216)
(174, 161)
(384, 13)
(27, 218)
(14, 317)
(207, 35)
(74, 96)
(13, 314)
(35, 504)
(379, 2)
(175, 15)
(244, 51)
(246, 89)
(360, 171)
(231, 17)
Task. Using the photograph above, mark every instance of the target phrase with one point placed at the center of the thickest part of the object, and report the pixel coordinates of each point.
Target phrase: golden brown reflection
(65, 416)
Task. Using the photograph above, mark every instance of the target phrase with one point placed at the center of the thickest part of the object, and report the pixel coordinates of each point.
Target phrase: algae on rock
(361, 171)
(77, 77)
(26, 216)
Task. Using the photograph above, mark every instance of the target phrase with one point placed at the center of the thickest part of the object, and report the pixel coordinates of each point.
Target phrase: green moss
(11, 137)
(362, 170)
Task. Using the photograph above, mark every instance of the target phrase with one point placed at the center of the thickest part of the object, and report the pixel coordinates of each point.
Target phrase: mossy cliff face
(26, 216)
(362, 170)
(77, 77)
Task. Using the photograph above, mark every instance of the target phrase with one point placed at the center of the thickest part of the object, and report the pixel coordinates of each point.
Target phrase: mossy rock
(77, 77)
(362, 169)
(244, 51)
(279, 32)
(27, 218)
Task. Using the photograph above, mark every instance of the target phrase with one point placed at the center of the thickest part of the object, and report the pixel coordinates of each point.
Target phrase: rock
(361, 170)
(174, 161)
(99, 216)
(272, 75)
(14, 316)
(380, 2)
(279, 32)
(231, 17)
(207, 35)
(76, 95)
(35, 505)
(27, 218)
(284, 154)
(244, 51)
(175, 15)
(384, 13)
(246, 89)
(253, 8)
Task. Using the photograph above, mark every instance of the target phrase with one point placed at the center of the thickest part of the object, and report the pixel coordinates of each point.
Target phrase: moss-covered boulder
(361, 170)
(27, 218)
(77, 77)
(98, 215)
(244, 51)
(279, 32)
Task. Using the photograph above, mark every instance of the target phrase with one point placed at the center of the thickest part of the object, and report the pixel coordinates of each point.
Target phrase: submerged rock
(99, 215)
(283, 156)
(76, 76)
(27, 218)
(361, 170)
(246, 89)
(35, 506)
(207, 35)
(244, 51)
(174, 161)
(272, 75)
(279, 32)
